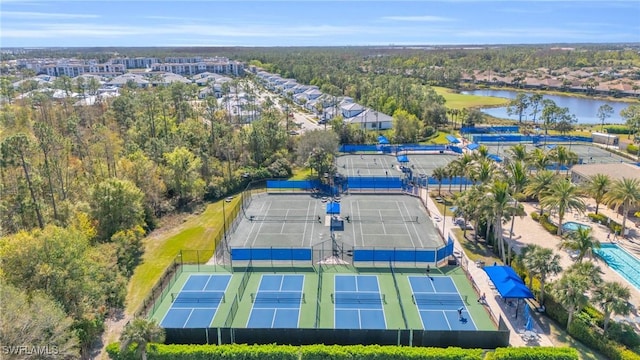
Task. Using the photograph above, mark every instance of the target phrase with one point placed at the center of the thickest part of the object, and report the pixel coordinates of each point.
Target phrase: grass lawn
(460, 101)
(196, 232)
(439, 139)
(301, 174)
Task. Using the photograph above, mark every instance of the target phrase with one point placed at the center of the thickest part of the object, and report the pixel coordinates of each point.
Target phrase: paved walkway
(527, 231)
(511, 313)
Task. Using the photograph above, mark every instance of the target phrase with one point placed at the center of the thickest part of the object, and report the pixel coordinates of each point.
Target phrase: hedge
(617, 129)
(632, 149)
(604, 220)
(336, 352)
(361, 352)
(222, 352)
(536, 353)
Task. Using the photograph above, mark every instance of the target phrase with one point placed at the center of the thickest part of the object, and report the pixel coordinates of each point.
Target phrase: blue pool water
(574, 226)
(620, 260)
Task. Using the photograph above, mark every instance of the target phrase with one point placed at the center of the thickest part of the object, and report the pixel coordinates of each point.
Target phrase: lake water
(586, 110)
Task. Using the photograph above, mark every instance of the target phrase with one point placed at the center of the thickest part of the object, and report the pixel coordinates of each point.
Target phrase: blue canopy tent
(333, 207)
(508, 283)
(452, 139)
(383, 140)
(402, 158)
(473, 146)
(495, 158)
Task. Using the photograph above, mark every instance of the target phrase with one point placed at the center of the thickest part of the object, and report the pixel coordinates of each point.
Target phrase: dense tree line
(82, 185)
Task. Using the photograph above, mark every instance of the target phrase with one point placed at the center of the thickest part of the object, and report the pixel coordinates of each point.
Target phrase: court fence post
(410, 337)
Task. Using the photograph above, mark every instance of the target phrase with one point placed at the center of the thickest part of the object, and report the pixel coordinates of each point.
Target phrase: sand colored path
(527, 231)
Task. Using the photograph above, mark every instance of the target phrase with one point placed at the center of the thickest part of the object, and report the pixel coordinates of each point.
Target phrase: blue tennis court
(440, 304)
(358, 302)
(277, 302)
(196, 304)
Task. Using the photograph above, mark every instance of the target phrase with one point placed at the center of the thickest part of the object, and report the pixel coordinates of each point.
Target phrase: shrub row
(544, 221)
(537, 353)
(604, 220)
(617, 129)
(584, 328)
(335, 352)
(632, 149)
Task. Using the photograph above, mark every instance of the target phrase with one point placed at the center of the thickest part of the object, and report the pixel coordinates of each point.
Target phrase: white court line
(415, 230)
(188, 317)
(304, 232)
(405, 224)
(447, 319)
(463, 304)
(284, 222)
(361, 229)
(382, 222)
(181, 289)
(254, 225)
(207, 283)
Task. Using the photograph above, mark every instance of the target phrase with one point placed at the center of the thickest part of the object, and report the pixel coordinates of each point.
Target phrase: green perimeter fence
(486, 339)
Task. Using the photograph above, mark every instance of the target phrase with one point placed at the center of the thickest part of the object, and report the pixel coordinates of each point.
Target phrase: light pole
(444, 220)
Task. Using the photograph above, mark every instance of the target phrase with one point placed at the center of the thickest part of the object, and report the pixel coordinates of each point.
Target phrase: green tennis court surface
(331, 296)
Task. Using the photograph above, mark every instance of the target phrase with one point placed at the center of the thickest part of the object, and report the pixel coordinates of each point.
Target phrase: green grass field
(460, 101)
(161, 247)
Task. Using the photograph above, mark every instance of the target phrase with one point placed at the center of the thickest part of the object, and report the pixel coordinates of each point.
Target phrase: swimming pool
(620, 260)
(574, 226)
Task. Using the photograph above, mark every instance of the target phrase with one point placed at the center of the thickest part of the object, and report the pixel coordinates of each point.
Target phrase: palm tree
(525, 256)
(563, 156)
(465, 163)
(613, 298)
(517, 178)
(597, 186)
(483, 170)
(539, 185)
(455, 169)
(501, 204)
(141, 332)
(439, 174)
(588, 270)
(543, 263)
(539, 159)
(518, 152)
(563, 196)
(626, 193)
(582, 242)
(570, 291)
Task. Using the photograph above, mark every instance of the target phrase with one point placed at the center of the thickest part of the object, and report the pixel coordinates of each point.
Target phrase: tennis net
(266, 297)
(198, 297)
(281, 219)
(384, 220)
(358, 298)
(437, 299)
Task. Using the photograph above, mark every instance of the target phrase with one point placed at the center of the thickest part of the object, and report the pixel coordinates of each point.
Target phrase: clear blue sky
(34, 23)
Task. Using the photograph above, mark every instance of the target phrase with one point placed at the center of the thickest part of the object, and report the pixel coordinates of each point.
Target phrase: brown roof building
(582, 173)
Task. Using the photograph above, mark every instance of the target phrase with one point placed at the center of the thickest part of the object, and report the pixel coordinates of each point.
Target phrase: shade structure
(402, 158)
(333, 207)
(452, 139)
(495, 158)
(473, 146)
(507, 282)
(382, 140)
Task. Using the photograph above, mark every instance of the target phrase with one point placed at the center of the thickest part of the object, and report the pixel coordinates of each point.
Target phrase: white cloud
(47, 30)
(418, 18)
(44, 15)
